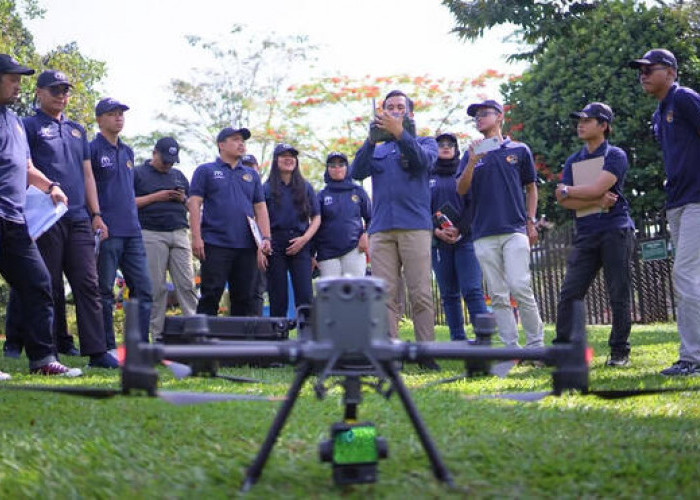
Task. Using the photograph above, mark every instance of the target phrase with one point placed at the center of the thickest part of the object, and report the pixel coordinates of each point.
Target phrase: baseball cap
(9, 65)
(108, 104)
(229, 131)
(447, 135)
(488, 103)
(284, 148)
(336, 154)
(169, 149)
(595, 110)
(249, 160)
(51, 78)
(655, 56)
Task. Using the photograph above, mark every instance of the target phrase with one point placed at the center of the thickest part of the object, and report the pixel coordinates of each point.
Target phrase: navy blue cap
(284, 148)
(51, 78)
(249, 160)
(488, 103)
(229, 131)
(169, 150)
(447, 135)
(656, 56)
(336, 154)
(108, 104)
(595, 110)
(9, 65)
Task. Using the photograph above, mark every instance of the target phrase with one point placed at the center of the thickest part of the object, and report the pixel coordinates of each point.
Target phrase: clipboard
(255, 230)
(586, 172)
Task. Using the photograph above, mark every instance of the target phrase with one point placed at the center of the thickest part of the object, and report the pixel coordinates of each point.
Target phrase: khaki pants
(389, 252)
(171, 251)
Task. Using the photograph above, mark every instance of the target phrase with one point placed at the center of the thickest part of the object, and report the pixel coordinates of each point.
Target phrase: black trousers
(611, 250)
(68, 247)
(299, 268)
(235, 266)
(24, 270)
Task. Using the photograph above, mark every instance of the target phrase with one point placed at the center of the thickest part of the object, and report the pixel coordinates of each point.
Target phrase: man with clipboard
(592, 183)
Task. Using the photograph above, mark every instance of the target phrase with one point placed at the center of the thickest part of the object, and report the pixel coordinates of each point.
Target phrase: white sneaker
(5, 376)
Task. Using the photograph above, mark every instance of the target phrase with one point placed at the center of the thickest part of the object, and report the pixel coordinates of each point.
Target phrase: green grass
(57, 446)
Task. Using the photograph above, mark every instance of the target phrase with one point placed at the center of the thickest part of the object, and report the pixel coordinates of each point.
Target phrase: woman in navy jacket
(341, 242)
(454, 261)
(294, 219)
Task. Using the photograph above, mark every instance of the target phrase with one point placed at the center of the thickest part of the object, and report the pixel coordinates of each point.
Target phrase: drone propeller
(179, 370)
(533, 397)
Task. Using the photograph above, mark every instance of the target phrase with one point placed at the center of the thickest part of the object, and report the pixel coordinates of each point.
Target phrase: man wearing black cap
(604, 229)
(224, 196)
(250, 161)
(59, 148)
(20, 261)
(676, 124)
(113, 167)
(504, 220)
(161, 197)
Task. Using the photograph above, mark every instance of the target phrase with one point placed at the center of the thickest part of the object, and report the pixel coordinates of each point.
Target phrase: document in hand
(40, 212)
(257, 235)
(586, 172)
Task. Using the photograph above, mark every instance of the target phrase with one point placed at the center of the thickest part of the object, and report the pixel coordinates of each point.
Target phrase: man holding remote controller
(496, 170)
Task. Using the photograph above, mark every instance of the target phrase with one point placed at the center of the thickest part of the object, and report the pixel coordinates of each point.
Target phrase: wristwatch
(51, 186)
(565, 191)
(533, 220)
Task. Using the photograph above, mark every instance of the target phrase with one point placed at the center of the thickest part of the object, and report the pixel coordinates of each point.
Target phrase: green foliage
(57, 446)
(590, 64)
(85, 73)
(537, 22)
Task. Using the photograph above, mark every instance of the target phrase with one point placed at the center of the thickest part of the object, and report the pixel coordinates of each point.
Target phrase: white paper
(257, 235)
(40, 212)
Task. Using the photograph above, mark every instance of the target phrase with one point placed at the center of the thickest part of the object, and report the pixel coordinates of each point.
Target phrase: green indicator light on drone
(356, 445)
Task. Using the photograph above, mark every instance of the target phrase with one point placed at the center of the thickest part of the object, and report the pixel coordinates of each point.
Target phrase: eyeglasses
(60, 90)
(446, 144)
(337, 165)
(484, 114)
(648, 70)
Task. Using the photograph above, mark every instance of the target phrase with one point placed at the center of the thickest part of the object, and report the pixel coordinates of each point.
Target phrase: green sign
(653, 249)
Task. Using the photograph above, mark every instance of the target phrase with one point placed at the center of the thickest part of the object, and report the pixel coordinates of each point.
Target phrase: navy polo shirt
(616, 163)
(443, 189)
(59, 148)
(14, 153)
(676, 123)
(113, 167)
(229, 194)
(284, 215)
(400, 171)
(497, 189)
(344, 205)
(161, 215)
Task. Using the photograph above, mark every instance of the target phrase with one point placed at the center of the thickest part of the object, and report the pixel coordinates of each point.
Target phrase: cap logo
(172, 150)
(60, 76)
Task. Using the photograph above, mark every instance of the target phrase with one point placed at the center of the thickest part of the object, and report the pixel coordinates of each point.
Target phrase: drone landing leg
(255, 470)
(439, 470)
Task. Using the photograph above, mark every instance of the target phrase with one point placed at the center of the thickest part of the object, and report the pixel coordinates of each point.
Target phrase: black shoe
(429, 364)
(70, 351)
(104, 360)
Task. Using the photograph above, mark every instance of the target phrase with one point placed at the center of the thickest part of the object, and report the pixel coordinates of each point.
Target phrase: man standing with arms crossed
(20, 261)
(504, 222)
(676, 124)
(221, 235)
(401, 227)
(161, 196)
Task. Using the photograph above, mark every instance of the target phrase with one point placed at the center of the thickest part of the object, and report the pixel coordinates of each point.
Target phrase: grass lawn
(55, 446)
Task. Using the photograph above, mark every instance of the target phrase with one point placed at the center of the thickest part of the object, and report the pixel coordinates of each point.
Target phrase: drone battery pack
(178, 329)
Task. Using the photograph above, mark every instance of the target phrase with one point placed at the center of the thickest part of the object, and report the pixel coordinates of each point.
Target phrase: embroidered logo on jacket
(76, 133)
(355, 198)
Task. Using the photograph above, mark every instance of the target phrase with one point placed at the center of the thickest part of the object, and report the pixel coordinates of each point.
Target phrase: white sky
(143, 44)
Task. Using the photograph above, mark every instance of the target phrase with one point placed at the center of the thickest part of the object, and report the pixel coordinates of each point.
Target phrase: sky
(143, 41)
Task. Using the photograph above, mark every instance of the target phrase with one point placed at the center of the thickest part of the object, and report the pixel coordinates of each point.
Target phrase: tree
(243, 89)
(590, 64)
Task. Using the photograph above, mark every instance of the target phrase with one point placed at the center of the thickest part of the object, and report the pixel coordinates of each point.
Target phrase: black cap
(249, 160)
(595, 110)
(447, 135)
(169, 150)
(488, 103)
(284, 148)
(229, 131)
(108, 104)
(336, 154)
(9, 65)
(656, 56)
(51, 78)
